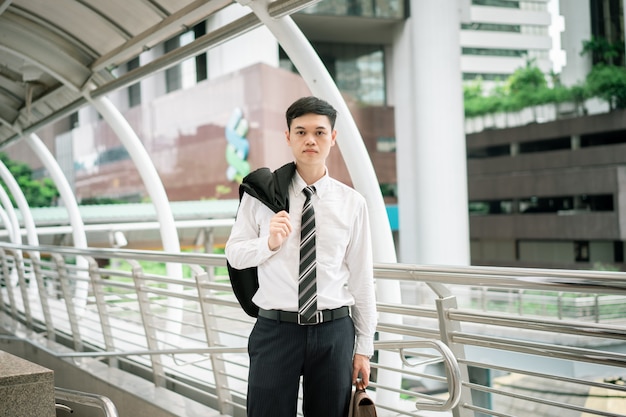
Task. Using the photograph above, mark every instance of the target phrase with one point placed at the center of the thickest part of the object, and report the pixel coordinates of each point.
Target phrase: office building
(182, 115)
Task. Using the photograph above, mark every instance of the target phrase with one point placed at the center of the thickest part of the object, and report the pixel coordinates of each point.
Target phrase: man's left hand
(361, 366)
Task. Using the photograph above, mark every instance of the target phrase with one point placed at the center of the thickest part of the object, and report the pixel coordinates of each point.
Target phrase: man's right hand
(280, 227)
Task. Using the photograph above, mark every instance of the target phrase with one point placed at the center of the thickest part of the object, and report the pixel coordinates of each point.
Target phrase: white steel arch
(13, 224)
(79, 235)
(22, 205)
(148, 173)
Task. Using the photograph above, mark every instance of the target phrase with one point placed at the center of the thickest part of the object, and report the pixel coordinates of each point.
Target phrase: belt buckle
(316, 319)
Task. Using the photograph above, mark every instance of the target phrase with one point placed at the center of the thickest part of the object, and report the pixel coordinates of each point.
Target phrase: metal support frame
(22, 283)
(447, 327)
(147, 318)
(148, 173)
(66, 292)
(105, 324)
(69, 200)
(43, 298)
(210, 325)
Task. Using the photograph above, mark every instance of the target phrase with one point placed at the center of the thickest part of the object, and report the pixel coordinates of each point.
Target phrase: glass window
(512, 4)
(134, 91)
(386, 144)
(358, 70)
(364, 8)
(173, 80)
(490, 207)
(492, 27)
(494, 52)
(469, 76)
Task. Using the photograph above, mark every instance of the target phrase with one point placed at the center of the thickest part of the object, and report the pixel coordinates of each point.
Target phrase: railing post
(4, 278)
(43, 296)
(21, 279)
(105, 324)
(484, 301)
(67, 293)
(148, 323)
(6, 272)
(446, 328)
(217, 363)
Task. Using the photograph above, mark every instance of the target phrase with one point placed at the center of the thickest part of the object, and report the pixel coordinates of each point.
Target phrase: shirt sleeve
(247, 246)
(361, 283)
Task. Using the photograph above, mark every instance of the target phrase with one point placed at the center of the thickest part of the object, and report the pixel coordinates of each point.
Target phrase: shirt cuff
(364, 346)
(264, 249)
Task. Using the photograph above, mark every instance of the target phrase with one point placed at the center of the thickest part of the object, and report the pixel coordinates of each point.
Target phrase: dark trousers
(281, 352)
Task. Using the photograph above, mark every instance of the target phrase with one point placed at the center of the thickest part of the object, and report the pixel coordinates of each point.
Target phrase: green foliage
(526, 79)
(37, 193)
(528, 86)
(603, 51)
(94, 201)
(609, 83)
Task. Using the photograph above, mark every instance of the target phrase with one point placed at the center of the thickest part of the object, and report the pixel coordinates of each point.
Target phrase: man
(303, 326)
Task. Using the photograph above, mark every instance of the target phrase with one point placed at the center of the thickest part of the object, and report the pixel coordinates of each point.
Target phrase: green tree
(527, 79)
(602, 51)
(38, 193)
(609, 83)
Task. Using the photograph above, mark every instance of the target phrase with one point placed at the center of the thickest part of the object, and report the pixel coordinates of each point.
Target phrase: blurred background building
(548, 192)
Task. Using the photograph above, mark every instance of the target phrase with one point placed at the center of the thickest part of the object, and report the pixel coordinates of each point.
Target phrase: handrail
(608, 282)
(84, 398)
(447, 357)
(450, 320)
(453, 371)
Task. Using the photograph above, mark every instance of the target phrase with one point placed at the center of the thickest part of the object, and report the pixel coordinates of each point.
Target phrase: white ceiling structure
(53, 52)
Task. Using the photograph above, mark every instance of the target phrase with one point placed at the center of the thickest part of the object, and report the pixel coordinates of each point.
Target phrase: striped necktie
(307, 287)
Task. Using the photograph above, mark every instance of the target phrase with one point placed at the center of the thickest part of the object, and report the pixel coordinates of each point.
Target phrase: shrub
(609, 83)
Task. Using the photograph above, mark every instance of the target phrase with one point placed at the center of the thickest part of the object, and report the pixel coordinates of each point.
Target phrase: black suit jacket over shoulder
(272, 189)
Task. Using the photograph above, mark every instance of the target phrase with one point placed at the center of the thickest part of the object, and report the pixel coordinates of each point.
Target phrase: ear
(333, 138)
(287, 138)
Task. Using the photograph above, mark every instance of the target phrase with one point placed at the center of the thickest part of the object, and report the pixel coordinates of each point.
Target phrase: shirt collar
(320, 185)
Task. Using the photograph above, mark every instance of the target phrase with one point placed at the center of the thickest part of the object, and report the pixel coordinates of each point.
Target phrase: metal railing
(64, 396)
(472, 341)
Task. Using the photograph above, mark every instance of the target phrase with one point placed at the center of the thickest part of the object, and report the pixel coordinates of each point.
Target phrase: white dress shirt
(343, 252)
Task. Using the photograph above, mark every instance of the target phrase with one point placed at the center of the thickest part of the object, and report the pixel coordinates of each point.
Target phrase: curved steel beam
(43, 49)
(148, 173)
(79, 235)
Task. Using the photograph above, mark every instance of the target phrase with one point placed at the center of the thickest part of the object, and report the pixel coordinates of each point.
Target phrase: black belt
(294, 317)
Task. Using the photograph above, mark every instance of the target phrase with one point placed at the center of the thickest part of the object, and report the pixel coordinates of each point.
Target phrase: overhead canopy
(51, 51)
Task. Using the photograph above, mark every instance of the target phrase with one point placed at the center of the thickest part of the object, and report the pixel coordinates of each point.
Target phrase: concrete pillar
(432, 173)
(26, 389)
(577, 17)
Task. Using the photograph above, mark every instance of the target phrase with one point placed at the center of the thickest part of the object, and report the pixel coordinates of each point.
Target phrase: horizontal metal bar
(209, 350)
(527, 323)
(542, 349)
(505, 277)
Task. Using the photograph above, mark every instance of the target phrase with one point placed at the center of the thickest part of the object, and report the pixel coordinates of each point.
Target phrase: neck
(311, 174)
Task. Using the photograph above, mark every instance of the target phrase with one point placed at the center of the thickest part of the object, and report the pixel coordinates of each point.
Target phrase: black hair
(308, 105)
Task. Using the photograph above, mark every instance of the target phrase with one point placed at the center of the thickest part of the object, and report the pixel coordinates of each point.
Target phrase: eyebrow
(304, 128)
